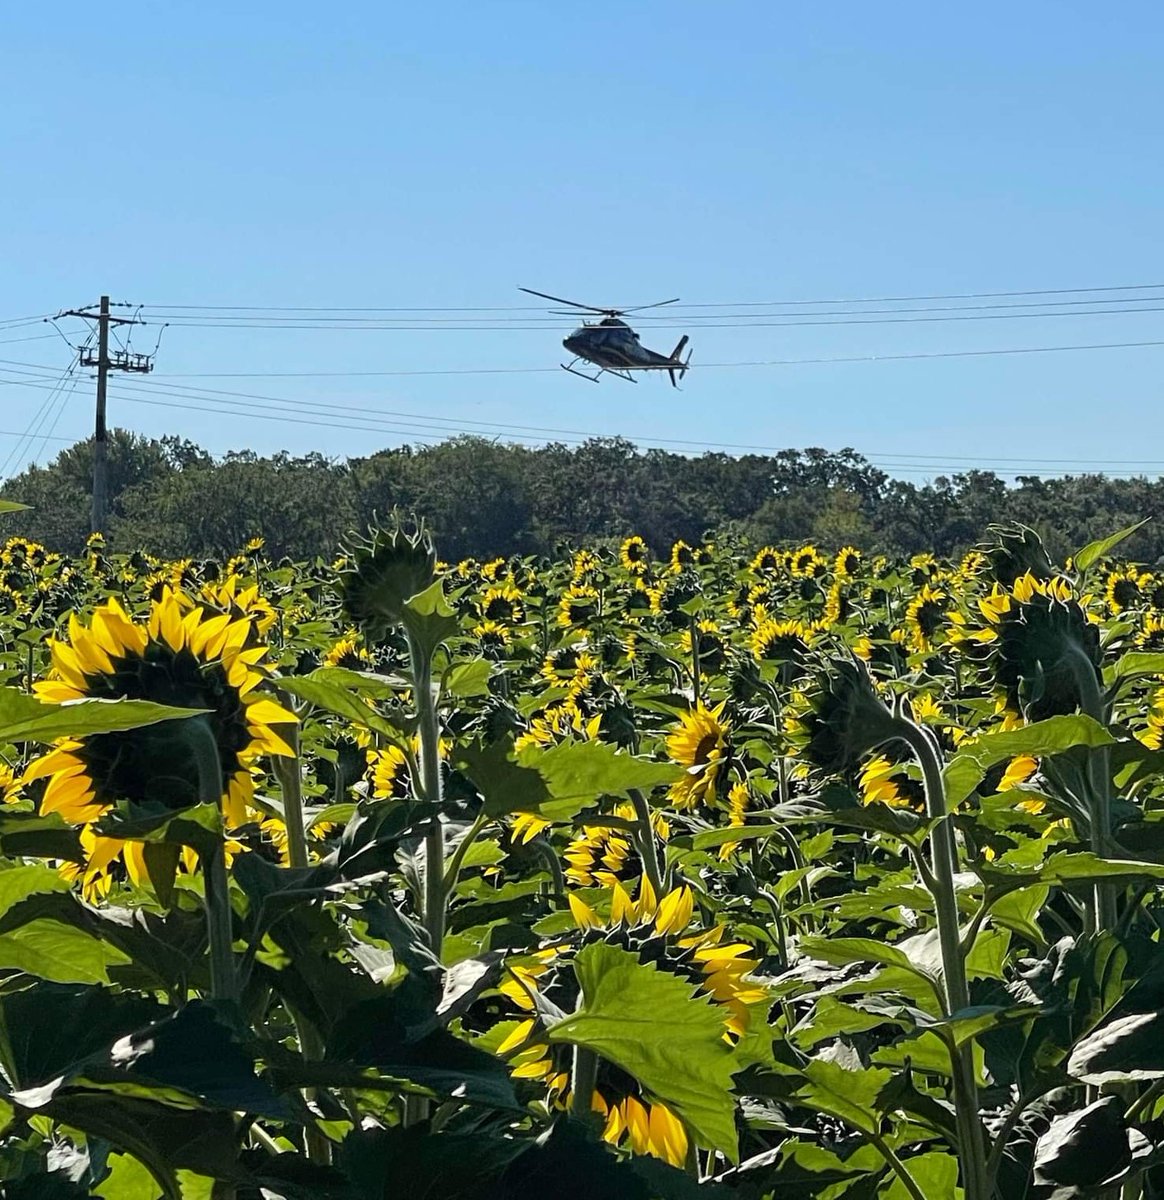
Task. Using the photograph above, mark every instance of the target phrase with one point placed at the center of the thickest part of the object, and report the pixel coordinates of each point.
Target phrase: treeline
(482, 498)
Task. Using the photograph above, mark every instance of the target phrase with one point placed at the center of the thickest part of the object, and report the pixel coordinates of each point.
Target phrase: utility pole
(104, 361)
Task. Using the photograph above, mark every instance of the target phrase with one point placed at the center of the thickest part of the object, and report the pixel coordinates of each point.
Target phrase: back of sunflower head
(381, 571)
(1014, 550)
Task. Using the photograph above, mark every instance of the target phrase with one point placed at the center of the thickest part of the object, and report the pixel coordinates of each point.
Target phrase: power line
(768, 362)
(659, 318)
(896, 463)
(1129, 287)
(709, 323)
(257, 402)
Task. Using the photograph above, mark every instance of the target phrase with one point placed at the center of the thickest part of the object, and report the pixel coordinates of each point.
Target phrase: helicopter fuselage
(614, 346)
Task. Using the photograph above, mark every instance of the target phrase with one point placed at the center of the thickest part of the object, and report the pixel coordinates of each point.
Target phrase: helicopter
(613, 346)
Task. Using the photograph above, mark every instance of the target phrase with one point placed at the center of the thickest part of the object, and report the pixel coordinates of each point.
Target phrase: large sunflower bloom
(184, 656)
(700, 744)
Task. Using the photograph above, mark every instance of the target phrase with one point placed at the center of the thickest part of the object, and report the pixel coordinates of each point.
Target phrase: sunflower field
(744, 873)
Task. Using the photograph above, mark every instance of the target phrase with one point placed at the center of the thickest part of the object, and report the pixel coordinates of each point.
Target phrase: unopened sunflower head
(381, 573)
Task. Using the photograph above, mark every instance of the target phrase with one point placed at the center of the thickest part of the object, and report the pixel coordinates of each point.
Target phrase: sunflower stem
(1098, 785)
(585, 1076)
(219, 922)
(944, 856)
(648, 846)
(695, 679)
(430, 791)
(199, 740)
(290, 779)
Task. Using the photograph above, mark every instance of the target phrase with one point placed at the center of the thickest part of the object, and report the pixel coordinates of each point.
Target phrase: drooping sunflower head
(493, 638)
(700, 744)
(1015, 550)
(183, 657)
(388, 772)
(841, 718)
(242, 601)
(349, 653)
(767, 561)
(1151, 634)
(780, 641)
(884, 781)
(602, 855)
(1043, 646)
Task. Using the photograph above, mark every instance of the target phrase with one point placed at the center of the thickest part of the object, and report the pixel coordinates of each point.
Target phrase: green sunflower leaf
(58, 952)
(318, 689)
(576, 774)
(1094, 551)
(1135, 662)
(653, 1026)
(24, 718)
(968, 767)
(467, 679)
(429, 619)
(8, 506)
(849, 1095)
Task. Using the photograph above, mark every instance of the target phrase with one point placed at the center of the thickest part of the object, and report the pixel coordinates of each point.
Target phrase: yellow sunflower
(183, 656)
(601, 854)
(660, 931)
(502, 603)
(634, 556)
(578, 605)
(700, 744)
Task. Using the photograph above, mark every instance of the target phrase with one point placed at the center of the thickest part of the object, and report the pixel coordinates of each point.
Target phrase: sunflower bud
(845, 718)
(381, 573)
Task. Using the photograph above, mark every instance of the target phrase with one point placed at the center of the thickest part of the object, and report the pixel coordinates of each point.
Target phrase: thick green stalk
(310, 1043)
(219, 923)
(430, 791)
(648, 843)
(291, 789)
(584, 1076)
(198, 737)
(1098, 785)
(944, 858)
(695, 679)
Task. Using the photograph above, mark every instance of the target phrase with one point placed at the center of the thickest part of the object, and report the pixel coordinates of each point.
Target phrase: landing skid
(601, 371)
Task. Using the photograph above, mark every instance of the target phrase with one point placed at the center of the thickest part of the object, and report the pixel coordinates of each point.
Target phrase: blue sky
(414, 156)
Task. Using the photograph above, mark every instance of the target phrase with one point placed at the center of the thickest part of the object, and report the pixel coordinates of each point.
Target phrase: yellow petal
(267, 712)
(584, 916)
(675, 911)
(622, 910)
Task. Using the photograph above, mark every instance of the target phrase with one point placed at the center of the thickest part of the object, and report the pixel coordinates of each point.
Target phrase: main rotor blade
(559, 300)
(657, 304)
